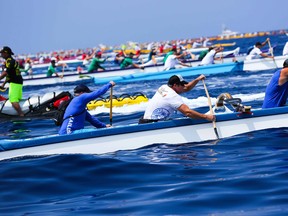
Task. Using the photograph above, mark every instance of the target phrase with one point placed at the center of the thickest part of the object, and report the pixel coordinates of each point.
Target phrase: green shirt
(203, 54)
(166, 56)
(95, 64)
(126, 62)
(50, 71)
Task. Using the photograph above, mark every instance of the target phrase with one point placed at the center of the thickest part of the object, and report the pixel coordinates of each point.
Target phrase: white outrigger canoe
(134, 136)
(264, 63)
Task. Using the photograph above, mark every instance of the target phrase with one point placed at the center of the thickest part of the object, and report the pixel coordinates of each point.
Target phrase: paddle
(62, 72)
(85, 76)
(272, 54)
(211, 110)
(111, 104)
(2, 89)
(192, 57)
(155, 62)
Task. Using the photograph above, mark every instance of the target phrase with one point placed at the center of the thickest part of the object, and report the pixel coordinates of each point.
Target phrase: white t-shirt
(209, 58)
(170, 62)
(285, 49)
(163, 104)
(254, 54)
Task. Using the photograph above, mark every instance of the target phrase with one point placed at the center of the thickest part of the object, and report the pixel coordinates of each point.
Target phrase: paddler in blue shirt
(277, 90)
(76, 113)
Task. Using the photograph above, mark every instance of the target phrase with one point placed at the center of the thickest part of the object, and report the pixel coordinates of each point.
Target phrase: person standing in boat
(256, 52)
(277, 90)
(209, 58)
(96, 63)
(11, 72)
(167, 100)
(76, 113)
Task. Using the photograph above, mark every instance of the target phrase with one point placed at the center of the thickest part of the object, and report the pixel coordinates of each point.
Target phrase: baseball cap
(53, 59)
(98, 54)
(285, 64)
(81, 88)
(176, 79)
(7, 49)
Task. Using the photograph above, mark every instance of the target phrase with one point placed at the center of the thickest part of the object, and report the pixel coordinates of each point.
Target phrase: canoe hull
(264, 63)
(135, 136)
(129, 75)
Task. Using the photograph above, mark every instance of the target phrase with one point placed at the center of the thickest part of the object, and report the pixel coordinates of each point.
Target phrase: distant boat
(227, 32)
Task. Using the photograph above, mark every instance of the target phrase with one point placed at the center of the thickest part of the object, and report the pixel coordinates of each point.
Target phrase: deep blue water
(241, 175)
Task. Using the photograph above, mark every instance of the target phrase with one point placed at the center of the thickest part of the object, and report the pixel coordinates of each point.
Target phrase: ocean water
(241, 175)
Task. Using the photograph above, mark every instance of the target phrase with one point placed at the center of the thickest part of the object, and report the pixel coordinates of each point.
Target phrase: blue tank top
(275, 95)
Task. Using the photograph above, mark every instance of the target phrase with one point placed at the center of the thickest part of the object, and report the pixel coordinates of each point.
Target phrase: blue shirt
(275, 95)
(77, 109)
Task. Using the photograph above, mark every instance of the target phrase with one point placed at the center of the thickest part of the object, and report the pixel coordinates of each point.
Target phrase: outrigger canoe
(44, 107)
(264, 63)
(129, 75)
(134, 136)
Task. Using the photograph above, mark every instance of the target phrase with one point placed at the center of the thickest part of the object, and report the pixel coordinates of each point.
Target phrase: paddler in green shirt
(95, 64)
(52, 68)
(128, 61)
(168, 54)
(204, 53)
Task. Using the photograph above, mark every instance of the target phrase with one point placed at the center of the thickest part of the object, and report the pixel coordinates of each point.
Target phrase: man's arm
(283, 76)
(3, 74)
(264, 55)
(265, 42)
(94, 121)
(193, 83)
(194, 114)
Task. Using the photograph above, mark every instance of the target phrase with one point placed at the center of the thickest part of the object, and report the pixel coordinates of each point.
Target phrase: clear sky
(31, 26)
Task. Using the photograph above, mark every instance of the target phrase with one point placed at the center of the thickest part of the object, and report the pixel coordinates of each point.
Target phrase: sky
(31, 26)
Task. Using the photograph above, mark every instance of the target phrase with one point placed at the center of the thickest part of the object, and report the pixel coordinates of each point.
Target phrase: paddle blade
(216, 132)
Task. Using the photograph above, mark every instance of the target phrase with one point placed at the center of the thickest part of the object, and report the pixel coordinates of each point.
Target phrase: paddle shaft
(272, 54)
(111, 104)
(270, 48)
(211, 110)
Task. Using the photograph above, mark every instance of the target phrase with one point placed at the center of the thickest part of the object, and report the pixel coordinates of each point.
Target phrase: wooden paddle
(272, 54)
(111, 104)
(62, 72)
(192, 57)
(211, 110)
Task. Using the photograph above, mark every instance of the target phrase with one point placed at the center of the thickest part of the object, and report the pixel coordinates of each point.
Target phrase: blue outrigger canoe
(132, 74)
